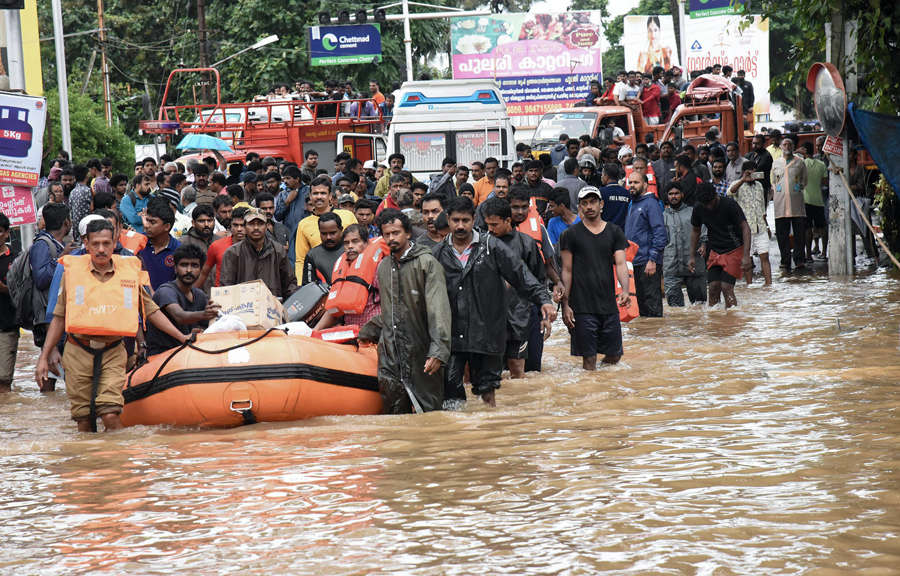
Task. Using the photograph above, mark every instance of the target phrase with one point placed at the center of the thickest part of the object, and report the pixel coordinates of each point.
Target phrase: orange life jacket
(134, 241)
(651, 178)
(352, 281)
(531, 226)
(630, 312)
(110, 308)
(631, 251)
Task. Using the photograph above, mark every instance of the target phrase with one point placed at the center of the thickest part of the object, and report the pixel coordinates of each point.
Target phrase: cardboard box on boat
(252, 302)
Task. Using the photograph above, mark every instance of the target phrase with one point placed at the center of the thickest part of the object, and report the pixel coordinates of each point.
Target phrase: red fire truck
(284, 129)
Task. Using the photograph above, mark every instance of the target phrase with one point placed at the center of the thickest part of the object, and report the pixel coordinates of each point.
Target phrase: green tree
(91, 138)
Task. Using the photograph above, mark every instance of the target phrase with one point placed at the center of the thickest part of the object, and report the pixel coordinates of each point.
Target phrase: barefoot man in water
(591, 251)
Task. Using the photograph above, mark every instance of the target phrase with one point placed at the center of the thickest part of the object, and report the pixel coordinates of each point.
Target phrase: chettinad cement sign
(334, 45)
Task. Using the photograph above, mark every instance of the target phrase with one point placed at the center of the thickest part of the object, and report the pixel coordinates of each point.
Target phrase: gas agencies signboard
(352, 44)
(22, 120)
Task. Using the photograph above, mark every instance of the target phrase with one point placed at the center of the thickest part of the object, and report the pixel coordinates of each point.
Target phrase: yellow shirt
(308, 236)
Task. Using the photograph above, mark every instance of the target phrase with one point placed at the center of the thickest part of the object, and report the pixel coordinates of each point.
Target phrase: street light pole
(407, 42)
(62, 78)
(264, 42)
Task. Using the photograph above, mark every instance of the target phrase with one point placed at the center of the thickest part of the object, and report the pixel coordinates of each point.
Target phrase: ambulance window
(472, 146)
(423, 152)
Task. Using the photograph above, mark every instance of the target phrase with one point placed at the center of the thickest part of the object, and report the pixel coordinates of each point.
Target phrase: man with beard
(205, 194)
(413, 328)
(319, 261)
(249, 182)
(67, 179)
(201, 231)
(687, 179)
(432, 206)
(184, 305)
(223, 206)
(277, 231)
(290, 203)
(539, 190)
(498, 218)
(80, 199)
(719, 182)
(676, 256)
(645, 227)
(256, 257)
(477, 269)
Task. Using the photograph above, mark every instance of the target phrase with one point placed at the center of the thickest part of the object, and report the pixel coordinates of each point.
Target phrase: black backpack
(21, 284)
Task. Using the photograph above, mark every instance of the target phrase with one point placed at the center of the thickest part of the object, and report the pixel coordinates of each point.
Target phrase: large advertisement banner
(22, 120)
(724, 40)
(540, 61)
(649, 41)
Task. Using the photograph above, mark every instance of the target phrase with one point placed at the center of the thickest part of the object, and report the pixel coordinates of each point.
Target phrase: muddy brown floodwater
(759, 441)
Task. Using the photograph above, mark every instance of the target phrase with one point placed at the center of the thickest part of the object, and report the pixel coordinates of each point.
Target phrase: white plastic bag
(296, 328)
(226, 323)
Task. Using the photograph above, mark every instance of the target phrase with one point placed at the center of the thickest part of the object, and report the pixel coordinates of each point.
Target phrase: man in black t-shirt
(589, 250)
(728, 242)
(186, 306)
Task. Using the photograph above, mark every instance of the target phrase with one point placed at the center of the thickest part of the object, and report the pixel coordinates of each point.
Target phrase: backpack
(21, 284)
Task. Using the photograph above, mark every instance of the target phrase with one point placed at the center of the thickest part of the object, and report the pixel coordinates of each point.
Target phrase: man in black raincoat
(477, 268)
(413, 330)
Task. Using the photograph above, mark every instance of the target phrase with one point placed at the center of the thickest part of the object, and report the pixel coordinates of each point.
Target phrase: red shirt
(650, 102)
(214, 255)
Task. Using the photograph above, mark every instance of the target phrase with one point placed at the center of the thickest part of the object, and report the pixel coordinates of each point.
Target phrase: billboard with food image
(540, 61)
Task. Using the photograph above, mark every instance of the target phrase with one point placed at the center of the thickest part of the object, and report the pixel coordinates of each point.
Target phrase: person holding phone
(751, 197)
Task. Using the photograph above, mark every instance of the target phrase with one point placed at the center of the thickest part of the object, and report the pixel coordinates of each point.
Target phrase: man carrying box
(257, 257)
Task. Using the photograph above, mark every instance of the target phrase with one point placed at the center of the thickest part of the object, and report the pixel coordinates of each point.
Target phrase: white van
(461, 119)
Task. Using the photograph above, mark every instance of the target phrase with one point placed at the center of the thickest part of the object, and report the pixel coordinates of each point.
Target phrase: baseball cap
(254, 214)
(345, 198)
(587, 191)
(369, 165)
(249, 176)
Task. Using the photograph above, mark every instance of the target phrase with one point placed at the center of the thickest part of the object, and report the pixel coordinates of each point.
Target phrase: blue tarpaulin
(880, 134)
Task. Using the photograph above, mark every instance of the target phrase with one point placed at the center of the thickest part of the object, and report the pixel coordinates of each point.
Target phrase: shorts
(759, 243)
(597, 334)
(516, 350)
(9, 345)
(815, 216)
(718, 274)
(79, 366)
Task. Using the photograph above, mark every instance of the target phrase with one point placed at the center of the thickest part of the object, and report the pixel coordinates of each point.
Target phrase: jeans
(696, 289)
(648, 290)
(783, 228)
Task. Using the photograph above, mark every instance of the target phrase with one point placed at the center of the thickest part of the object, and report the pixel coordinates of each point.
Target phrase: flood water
(763, 440)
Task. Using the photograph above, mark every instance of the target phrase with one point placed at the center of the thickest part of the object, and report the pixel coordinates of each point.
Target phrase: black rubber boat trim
(249, 373)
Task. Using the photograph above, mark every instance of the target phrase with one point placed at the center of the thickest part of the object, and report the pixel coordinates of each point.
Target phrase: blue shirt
(43, 263)
(556, 226)
(130, 209)
(291, 214)
(161, 265)
(616, 200)
(646, 228)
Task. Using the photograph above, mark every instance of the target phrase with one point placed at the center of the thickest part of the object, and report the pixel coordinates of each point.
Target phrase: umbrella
(203, 142)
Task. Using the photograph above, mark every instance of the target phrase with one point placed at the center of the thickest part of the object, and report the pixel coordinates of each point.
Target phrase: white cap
(626, 149)
(588, 190)
(369, 165)
(82, 226)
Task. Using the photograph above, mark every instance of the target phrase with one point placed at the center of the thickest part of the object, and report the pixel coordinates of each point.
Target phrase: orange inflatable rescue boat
(235, 378)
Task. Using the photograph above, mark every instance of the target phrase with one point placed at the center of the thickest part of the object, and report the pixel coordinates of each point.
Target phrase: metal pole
(201, 34)
(107, 101)
(407, 41)
(16, 70)
(61, 77)
(682, 45)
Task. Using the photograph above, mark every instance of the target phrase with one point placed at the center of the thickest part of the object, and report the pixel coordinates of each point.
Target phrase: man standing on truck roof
(650, 101)
(375, 89)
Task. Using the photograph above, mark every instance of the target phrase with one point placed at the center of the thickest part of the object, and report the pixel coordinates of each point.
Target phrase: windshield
(572, 123)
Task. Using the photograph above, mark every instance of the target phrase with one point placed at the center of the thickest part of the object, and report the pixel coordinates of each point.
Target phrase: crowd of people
(481, 257)
(656, 95)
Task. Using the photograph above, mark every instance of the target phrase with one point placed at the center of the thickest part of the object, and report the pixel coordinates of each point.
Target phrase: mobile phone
(758, 175)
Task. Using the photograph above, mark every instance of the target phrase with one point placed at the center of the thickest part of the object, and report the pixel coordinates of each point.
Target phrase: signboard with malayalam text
(17, 203)
(540, 61)
(22, 120)
(351, 44)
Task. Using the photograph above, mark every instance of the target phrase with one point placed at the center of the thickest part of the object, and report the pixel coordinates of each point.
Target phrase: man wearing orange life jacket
(101, 298)
(354, 282)
(527, 221)
(641, 165)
